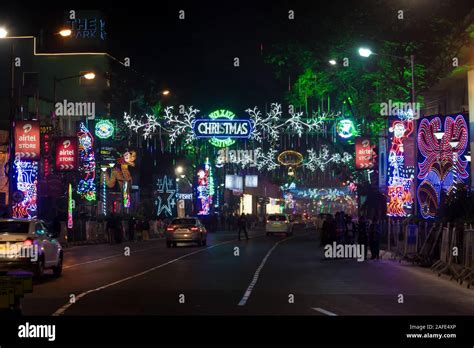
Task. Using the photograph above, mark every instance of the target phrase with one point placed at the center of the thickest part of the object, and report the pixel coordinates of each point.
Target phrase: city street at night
(291, 172)
(215, 282)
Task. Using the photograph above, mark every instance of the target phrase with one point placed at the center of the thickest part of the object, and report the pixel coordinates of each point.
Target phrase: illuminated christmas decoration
(219, 114)
(346, 129)
(86, 187)
(177, 125)
(165, 196)
(104, 190)
(69, 207)
(26, 184)
(272, 125)
(322, 159)
(266, 161)
(400, 176)
(126, 195)
(258, 128)
(121, 172)
(137, 125)
(441, 163)
(104, 129)
(204, 194)
(290, 158)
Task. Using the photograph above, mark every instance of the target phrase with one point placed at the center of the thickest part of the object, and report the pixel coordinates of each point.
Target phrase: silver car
(28, 245)
(188, 230)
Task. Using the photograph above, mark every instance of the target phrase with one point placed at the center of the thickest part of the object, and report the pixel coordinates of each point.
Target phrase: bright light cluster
(27, 182)
(86, 187)
(400, 176)
(204, 185)
(443, 165)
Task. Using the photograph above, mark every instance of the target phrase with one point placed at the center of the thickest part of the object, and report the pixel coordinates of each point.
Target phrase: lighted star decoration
(166, 196)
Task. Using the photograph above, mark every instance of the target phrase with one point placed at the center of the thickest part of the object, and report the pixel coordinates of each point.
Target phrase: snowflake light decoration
(177, 125)
(323, 159)
(266, 161)
(135, 124)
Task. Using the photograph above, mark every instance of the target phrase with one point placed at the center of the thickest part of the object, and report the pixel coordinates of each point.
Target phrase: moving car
(188, 230)
(278, 223)
(298, 221)
(28, 245)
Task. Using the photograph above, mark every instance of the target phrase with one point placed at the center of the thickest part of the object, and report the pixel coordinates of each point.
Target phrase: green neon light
(104, 129)
(222, 113)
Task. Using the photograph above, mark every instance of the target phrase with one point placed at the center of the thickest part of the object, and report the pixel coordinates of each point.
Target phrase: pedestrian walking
(118, 230)
(374, 239)
(242, 225)
(146, 229)
(132, 223)
(362, 234)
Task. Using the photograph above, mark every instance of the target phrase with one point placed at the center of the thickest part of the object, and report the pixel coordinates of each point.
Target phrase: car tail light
(194, 228)
(170, 229)
(28, 242)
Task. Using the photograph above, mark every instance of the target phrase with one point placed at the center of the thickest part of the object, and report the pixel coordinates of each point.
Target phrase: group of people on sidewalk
(137, 229)
(342, 229)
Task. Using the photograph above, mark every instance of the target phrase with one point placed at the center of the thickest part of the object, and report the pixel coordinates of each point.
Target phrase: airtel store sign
(66, 154)
(27, 140)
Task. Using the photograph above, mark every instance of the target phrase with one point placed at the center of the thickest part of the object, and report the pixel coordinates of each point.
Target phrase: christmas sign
(27, 140)
(364, 154)
(66, 154)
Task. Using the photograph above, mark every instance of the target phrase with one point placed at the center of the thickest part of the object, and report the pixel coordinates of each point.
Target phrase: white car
(28, 245)
(278, 223)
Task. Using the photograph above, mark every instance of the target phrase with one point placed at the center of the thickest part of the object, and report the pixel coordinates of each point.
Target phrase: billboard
(251, 181)
(234, 182)
(27, 140)
(364, 154)
(66, 154)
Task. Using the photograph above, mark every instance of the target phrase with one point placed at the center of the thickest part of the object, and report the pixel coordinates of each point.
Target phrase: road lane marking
(110, 257)
(324, 311)
(249, 290)
(62, 309)
(122, 254)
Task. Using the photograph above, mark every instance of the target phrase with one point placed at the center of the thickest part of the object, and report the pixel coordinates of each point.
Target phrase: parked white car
(28, 245)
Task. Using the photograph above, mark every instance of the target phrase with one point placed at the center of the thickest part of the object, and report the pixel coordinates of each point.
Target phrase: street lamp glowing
(332, 62)
(179, 170)
(365, 52)
(165, 92)
(89, 76)
(3, 33)
(65, 32)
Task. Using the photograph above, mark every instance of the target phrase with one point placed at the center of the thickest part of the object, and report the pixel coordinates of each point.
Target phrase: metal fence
(446, 248)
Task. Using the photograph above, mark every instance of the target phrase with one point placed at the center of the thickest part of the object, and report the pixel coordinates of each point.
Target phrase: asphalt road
(269, 276)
